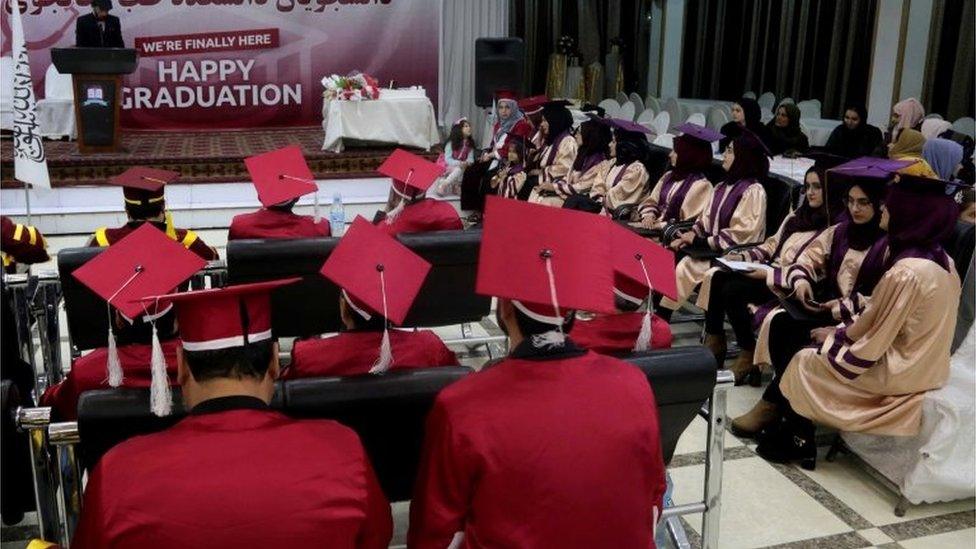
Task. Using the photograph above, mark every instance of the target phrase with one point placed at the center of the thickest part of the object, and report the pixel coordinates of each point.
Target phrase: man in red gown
(639, 264)
(355, 267)
(21, 244)
(281, 177)
(163, 264)
(410, 211)
(144, 192)
(554, 446)
(234, 473)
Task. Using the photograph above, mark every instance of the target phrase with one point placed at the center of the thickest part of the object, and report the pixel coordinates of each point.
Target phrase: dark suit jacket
(88, 34)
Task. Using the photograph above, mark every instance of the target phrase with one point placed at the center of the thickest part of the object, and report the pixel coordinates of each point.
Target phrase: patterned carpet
(201, 157)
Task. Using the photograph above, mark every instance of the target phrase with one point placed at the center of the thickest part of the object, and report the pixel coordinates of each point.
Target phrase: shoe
(716, 344)
(762, 416)
(745, 371)
(474, 218)
(781, 444)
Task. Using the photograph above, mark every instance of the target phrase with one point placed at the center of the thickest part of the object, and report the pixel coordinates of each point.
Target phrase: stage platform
(201, 157)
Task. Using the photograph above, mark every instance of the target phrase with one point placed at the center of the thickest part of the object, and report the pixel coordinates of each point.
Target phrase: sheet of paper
(743, 266)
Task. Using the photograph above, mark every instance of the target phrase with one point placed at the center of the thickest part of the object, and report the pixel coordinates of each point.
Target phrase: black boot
(788, 441)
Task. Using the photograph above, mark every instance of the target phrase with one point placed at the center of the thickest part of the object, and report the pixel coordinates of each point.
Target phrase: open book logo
(94, 95)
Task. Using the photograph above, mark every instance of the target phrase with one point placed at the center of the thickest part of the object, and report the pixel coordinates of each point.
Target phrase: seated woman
(735, 214)
(509, 121)
(458, 155)
(909, 146)
(682, 192)
(625, 183)
(408, 210)
(845, 262)
(746, 115)
(855, 137)
(944, 157)
(870, 374)
(556, 158)
(785, 135)
(905, 114)
(730, 294)
(591, 164)
(509, 180)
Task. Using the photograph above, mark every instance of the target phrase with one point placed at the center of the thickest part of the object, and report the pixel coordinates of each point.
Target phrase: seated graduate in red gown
(145, 261)
(145, 202)
(409, 210)
(554, 446)
(21, 244)
(640, 267)
(281, 177)
(379, 278)
(234, 472)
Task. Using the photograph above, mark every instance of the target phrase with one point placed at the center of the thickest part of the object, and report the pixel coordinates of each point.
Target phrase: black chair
(84, 309)
(388, 412)
(682, 379)
(16, 491)
(780, 194)
(312, 306)
(110, 416)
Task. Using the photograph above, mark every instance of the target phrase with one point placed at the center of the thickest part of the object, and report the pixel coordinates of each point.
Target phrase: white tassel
(385, 359)
(552, 288)
(549, 340)
(643, 342)
(398, 209)
(115, 375)
(160, 395)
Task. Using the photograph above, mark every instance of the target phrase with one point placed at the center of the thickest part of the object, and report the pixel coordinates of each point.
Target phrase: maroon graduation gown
(424, 216)
(267, 223)
(236, 474)
(106, 237)
(353, 353)
(21, 243)
(89, 373)
(558, 452)
(616, 334)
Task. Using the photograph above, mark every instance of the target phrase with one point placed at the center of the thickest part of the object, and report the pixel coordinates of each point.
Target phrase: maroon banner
(207, 64)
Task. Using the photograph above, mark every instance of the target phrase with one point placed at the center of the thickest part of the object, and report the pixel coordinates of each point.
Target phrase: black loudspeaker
(499, 63)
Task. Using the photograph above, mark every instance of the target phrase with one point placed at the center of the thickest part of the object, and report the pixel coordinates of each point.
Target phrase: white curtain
(462, 22)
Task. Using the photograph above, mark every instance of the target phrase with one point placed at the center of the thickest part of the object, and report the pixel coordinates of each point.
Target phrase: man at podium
(98, 29)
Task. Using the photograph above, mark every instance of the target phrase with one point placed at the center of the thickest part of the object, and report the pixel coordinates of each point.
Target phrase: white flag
(30, 164)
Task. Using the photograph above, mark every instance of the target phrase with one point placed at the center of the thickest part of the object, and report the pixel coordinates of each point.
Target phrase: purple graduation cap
(826, 160)
(871, 167)
(926, 185)
(627, 125)
(702, 133)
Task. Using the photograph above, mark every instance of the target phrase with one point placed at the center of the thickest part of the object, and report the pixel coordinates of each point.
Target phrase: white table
(818, 130)
(790, 168)
(403, 117)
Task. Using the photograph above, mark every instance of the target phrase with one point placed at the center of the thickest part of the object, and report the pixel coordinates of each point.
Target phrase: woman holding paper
(845, 261)
(746, 278)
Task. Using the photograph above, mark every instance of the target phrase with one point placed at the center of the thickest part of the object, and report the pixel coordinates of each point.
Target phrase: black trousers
(730, 296)
(475, 186)
(786, 337)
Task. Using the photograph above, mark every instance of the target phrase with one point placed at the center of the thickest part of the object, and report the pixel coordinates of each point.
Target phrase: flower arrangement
(566, 45)
(356, 86)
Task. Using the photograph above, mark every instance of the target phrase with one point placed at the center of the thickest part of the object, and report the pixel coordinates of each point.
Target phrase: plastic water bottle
(337, 215)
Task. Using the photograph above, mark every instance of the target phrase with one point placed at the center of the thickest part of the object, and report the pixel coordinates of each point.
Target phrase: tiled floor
(763, 505)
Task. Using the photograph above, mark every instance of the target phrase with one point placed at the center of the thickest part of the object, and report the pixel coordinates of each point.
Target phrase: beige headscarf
(909, 145)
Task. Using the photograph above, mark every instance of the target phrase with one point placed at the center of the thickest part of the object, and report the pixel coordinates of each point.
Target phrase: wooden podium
(96, 76)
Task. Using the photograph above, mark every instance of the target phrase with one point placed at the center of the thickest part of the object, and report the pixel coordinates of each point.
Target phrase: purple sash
(674, 204)
(871, 267)
(554, 148)
(722, 219)
(591, 161)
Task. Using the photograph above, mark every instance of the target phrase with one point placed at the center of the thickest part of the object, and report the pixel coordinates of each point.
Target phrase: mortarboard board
(628, 126)
(871, 167)
(378, 275)
(701, 133)
(505, 94)
(640, 267)
(532, 105)
(545, 259)
(825, 160)
(280, 176)
(748, 134)
(146, 261)
(410, 170)
(142, 186)
(917, 184)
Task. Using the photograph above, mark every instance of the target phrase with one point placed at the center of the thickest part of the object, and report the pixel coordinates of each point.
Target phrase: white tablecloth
(818, 130)
(790, 168)
(692, 106)
(400, 118)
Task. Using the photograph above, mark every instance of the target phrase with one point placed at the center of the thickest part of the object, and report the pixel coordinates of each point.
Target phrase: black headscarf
(864, 140)
(751, 120)
(790, 138)
(560, 121)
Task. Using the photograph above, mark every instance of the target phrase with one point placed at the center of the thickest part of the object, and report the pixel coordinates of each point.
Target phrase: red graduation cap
(534, 104)
(223, 318)
(410, 170)
(538, 255)
(280, 176)
(141, 185)
(505, 94)
(145, 262)
(701, 133)
(368, 261)
(641, 265)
